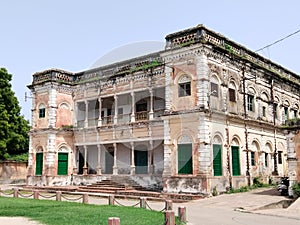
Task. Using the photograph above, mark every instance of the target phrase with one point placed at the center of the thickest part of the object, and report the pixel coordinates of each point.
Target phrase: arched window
(251, 100)
(295, 110)
(184, 86)
(232, 92)
(214, 86)
(268, 151)
(280, 153)
(184, 155)
(286, 106)
(275, 107)
(217, 156)
(39, 161)
(42, 111)
(254, 151)
(265, 100)
(235, 158)
(63, 159)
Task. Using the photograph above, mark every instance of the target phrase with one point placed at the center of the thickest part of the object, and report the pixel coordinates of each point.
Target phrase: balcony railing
(121, 119)
(143, 115)
(295, 122)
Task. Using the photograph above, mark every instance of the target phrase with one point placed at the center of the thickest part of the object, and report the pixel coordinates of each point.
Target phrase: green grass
(64, 213)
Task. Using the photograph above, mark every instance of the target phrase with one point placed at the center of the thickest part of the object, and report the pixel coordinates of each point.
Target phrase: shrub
(296, 189)
(257, 182)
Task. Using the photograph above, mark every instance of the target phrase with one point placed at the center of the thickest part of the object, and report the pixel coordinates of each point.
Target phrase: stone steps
(125, 189)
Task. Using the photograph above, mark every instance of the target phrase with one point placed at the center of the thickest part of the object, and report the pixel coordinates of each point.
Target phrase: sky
(73, 35)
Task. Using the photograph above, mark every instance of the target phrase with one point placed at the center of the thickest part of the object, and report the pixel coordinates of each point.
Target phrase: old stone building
(204, 113)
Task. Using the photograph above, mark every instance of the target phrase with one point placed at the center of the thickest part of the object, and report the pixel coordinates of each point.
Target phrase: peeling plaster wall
(10, 171)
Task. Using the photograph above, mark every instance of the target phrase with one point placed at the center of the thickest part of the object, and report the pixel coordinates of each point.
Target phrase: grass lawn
(65, 213)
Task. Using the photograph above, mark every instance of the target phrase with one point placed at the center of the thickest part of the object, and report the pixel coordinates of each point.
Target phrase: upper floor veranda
(234, 81)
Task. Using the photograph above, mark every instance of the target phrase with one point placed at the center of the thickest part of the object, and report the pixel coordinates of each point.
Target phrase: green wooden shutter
(235, 160)
(185, 163)
(141, 161)
(62, 164)
(217, 161)
(39, 163)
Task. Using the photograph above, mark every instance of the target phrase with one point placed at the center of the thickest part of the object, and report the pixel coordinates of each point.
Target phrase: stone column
(168, 92)
(75, 153)
(115, 167)
(132, 107)
(100, 110)
(52, 108)
(151, 165)
(167, 149)
(50, 156)
(99, 160)
(76, 114)
(132, 166)
(116, 109)
(85, 168)
(151, 105)
(202, 80)
(30, 157)
(86, 121)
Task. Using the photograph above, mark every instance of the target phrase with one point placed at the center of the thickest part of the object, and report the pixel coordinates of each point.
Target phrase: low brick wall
(12, 171)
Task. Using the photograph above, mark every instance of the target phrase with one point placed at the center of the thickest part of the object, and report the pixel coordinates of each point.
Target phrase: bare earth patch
(17, 221)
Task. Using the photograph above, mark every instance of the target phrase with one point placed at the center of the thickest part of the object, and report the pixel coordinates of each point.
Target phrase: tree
(14, 128)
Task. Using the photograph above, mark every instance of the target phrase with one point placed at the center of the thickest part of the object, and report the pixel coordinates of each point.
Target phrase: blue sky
(73, 35)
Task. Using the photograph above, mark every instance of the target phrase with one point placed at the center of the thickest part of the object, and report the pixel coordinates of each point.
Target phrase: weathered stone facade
(293, 152)
(203, 114)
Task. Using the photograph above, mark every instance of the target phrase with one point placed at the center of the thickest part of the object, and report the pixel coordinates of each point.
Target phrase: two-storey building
(202, 114)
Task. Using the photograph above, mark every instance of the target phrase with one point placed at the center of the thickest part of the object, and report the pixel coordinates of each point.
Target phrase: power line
(269, 45)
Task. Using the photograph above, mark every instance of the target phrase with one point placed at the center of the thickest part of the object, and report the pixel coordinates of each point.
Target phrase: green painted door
(185, 162)
(39, 164)
(62, 164)
(235, 160)
(217, 161)
(141, 162)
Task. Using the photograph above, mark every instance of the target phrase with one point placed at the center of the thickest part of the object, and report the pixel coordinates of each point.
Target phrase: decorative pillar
(75, 153)
(99, 160)
(132, 166)
(132, 107)
(50, 168)
(30, 157)
(151, 167)
(151, 105)
(76, 114)
(115, 167)
(85, 168)
(86, 122)
(116, 109)
(100, 112)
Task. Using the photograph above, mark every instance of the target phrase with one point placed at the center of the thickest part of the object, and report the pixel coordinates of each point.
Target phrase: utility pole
(275, 172)
(245, 126)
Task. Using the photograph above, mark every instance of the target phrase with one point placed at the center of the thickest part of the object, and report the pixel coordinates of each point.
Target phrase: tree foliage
(13, 127)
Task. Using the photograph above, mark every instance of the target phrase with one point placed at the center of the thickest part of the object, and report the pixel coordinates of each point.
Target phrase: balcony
(295, 122)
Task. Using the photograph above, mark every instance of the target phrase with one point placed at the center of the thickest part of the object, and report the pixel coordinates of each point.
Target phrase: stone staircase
(121, 187)
(125, 187)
